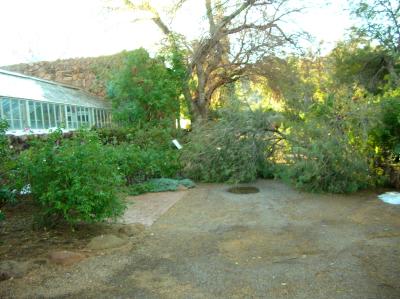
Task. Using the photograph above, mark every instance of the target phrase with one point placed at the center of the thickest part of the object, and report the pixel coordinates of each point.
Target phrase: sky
(36, 30)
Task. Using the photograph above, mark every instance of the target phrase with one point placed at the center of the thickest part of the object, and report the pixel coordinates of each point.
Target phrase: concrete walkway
(147, 208)
(279, 243)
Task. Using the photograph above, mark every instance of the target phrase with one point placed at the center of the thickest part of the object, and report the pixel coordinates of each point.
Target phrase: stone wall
(89, 74)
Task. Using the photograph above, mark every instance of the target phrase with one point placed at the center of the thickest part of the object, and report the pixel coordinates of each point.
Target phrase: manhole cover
(243, 190)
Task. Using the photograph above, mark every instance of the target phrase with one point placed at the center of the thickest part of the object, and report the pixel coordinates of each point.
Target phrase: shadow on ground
(278, 243)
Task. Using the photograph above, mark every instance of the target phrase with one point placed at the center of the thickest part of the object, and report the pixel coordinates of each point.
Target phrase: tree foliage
(386, 133)
(380, 25)
(238, 146)
(328, 146)
(145, 91)
(239, 35)
(379, 22)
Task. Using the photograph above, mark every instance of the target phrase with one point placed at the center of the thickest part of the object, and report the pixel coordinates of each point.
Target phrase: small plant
(73, 179)
(7, 196)
(160, 185)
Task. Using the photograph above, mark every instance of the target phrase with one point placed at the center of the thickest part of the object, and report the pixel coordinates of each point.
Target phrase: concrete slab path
(147, 208)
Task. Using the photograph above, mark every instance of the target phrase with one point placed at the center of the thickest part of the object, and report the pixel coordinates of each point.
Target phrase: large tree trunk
(201, 109)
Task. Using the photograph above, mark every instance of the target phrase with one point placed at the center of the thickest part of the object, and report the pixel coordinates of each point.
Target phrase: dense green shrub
(236, 147)
(6, 166)
(386, 133)
(144, 91)
(4, 144)
(7, 195)
(146, 136)
(328, 164)
(72, 179)
(328, 148)
(143, 153)
(138, 164)
(7, 160)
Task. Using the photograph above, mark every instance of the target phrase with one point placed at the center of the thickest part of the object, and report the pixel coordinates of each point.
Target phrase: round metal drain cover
(243, 190)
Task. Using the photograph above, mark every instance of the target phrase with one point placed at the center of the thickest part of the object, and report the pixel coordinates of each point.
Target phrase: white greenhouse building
(35, 106)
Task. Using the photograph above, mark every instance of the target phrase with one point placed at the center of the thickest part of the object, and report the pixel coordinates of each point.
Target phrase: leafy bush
(237, 147)
(330, 165)
(138, 165)
(6, 156)
(147, 136)
(4, 144)
(144, 90)
(160, 185)
(328, 148)
(143, 153)
(72, 179)
(6, 166)
(7, 195)
(386, 133)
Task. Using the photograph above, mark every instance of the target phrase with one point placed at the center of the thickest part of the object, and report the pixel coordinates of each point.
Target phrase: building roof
(16, 85)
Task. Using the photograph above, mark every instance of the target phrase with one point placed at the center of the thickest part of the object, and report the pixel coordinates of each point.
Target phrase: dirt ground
(278, 243)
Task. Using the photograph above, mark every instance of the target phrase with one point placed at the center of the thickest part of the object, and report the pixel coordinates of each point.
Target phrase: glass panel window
(16, 115)
(52, 115)
(79, 116)
(96, 117)
(62, 120)
(82, 116)
(39, 115)
(93, 116)
(46, 116)
(1, 108)
(24, 114)
(108, 118)
(6, 105)
(90, 116)
(74, 117)
(32, 115)
(99, 116)
(87, 119)
(102, 118)
(57, 115)
(69, 117)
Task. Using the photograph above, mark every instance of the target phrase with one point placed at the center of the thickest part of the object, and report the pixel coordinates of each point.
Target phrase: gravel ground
(279, 243)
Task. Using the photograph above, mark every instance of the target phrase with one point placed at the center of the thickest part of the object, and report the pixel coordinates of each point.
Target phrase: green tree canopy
(144, 90)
